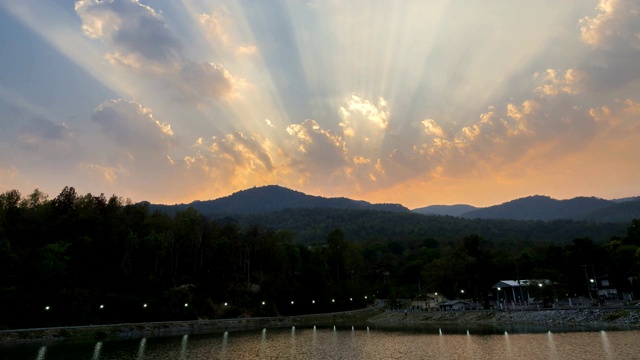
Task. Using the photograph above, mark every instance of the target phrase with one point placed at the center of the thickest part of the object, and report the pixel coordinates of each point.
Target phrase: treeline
(92, 259)
(75, 253)
(311, 224)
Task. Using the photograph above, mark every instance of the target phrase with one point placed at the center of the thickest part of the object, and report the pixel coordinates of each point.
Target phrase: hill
(540, 208)
(546, 209)
(448, 210)
(273, 198)
(313, 226)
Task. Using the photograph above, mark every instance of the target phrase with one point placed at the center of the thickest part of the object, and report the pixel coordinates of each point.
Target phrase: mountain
(619, 212)
(272, 198)
(448, 210)
(545, 208)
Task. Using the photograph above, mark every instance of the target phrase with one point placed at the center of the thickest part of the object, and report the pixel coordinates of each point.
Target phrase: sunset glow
(411, 102)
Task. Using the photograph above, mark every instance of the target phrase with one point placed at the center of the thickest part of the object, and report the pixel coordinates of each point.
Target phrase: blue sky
(411, 102)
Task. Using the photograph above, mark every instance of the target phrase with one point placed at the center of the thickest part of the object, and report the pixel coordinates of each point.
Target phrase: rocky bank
(623, 317)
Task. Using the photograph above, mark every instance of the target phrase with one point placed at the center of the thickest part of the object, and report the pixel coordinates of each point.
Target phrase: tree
(34, 200)
(10, 199)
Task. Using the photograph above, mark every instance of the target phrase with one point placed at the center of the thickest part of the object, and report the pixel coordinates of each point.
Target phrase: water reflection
(96, 350)
(41, 353)
(225, 340)
(605, 344)
(347, 342)
(507, 344)
(552, 346)
(183, 346)
(141, 346)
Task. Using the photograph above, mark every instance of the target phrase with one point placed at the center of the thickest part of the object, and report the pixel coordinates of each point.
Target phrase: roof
(451, 302)
(514, 283)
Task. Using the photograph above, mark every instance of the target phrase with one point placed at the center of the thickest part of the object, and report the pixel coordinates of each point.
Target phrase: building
(452, 305)
(518, 291)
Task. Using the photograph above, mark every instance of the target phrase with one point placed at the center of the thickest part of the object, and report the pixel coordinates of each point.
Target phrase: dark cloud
(134, 29)
(133, 127)
(44, 129)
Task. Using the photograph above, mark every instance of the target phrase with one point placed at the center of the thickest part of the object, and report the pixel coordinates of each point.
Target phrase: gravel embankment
(135, 330)
(577, 317)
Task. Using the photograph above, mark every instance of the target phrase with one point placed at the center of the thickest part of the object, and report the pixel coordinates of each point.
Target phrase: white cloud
(616, 25)
(376, 114)
(432, 128)
(555, 82)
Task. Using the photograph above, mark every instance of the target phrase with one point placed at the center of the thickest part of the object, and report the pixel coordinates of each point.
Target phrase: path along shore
(583, 317)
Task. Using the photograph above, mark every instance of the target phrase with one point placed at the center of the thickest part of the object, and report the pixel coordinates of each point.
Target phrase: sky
(410, 102)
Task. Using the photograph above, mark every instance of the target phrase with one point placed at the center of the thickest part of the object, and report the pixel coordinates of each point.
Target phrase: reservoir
(347, 343)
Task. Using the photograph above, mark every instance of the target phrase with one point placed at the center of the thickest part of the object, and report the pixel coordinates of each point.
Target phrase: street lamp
(47, 308)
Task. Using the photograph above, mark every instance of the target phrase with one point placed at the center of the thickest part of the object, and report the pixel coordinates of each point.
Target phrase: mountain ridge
(271, 198)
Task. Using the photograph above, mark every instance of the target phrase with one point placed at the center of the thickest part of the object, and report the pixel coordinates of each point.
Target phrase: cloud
(133, 127)
(204, 80)
(215, 25)
(376, 114)
(620, 118)
(315, 150)
(135, 152)
(617, 25)
(211, 24)
(40, 131)
(432, 128)
(232, 162)
(140, 40)
(555, 82)
(137, 33)
(614, 36)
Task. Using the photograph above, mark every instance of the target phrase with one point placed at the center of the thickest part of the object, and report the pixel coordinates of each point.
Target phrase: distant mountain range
(546, 209)
(273, 198)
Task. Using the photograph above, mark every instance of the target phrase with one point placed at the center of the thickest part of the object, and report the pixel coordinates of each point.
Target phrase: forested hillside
(312, 225)
(85, 259)
(270, 198)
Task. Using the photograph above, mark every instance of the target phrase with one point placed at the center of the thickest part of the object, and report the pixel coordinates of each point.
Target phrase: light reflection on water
(141, 347)
(346, 343)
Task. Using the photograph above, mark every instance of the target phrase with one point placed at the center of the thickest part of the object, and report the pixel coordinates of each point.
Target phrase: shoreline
(168, 328)
(581, 317)
(589, 318)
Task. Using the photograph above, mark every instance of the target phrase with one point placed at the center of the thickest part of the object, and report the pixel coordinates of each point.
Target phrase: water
(347, 343)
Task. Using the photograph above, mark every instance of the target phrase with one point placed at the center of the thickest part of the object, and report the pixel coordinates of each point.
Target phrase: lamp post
(541, 295)
(498, 298)
(588, 286)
